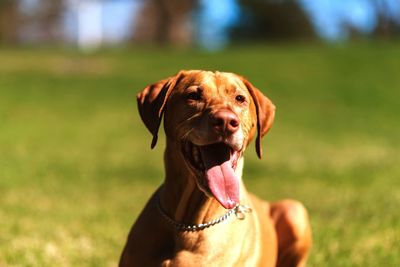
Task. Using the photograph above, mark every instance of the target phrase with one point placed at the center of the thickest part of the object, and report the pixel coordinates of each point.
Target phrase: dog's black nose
(225, 122)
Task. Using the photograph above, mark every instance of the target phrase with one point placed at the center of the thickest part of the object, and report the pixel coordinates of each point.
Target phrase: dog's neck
(180, 196)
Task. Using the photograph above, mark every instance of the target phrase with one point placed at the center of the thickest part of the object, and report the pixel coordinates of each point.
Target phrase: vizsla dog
(202, 215)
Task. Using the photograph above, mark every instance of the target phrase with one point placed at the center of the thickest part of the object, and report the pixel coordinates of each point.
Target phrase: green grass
(76, 166)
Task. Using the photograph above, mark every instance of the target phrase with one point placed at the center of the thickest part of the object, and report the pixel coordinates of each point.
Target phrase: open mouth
(217, 164)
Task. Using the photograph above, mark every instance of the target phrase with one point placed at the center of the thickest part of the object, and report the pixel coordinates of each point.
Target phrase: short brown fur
(273, 234)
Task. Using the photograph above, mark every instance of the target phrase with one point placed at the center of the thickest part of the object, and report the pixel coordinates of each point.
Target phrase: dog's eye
(240, 98)
(194, 96)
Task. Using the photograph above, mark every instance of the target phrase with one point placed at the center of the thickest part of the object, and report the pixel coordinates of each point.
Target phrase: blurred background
(209, 24)
(75, 161)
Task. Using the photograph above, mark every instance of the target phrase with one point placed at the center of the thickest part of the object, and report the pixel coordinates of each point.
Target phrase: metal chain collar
(239, 210)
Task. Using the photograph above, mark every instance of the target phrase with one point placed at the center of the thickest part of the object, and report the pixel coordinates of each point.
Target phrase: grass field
(76, 166)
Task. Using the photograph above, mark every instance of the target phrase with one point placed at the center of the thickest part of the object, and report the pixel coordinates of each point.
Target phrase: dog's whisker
(187, 120)
(186, 135)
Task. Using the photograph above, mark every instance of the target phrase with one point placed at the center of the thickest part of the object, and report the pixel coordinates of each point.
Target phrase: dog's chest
(222, 247)
(190, 259)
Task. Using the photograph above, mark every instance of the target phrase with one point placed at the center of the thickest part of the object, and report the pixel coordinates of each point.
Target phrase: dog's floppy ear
(151, 103)
(265, 111)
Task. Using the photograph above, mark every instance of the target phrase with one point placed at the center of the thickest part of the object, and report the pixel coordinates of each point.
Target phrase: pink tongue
(221, 177)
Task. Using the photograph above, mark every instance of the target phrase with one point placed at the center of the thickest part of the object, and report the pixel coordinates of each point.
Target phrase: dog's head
(212, 116)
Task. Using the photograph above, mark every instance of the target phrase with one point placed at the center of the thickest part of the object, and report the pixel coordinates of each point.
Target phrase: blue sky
(117, 19)
(214, 18)
(329, 15)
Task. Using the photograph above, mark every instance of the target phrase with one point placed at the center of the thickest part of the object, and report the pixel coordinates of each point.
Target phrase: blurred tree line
(9, 21)
(386, 27)
(171, 21)
(165, 22)
(273, 20)
(42, 23)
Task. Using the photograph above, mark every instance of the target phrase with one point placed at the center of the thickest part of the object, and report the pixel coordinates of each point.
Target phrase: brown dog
(202, 215)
